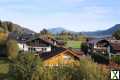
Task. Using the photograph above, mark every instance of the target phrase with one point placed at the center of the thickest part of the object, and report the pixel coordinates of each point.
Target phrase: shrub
(84, 47)
(100, 58)
(25, 67)
(12, 49)
(3, 38)
(116, 59)
(91, 71)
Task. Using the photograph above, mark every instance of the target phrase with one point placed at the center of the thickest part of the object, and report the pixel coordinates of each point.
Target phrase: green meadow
(73, 44)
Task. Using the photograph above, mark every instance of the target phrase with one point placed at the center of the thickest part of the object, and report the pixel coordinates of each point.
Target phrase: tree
(1, 27)
(26, 67)
(44, 32)
(84, 47)
(12, 49)
(10, 27)
(117, 34)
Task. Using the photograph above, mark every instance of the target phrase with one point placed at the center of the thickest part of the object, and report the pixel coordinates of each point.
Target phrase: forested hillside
(6, 26)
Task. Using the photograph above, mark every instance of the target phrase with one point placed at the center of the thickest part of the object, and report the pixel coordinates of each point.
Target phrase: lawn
(73, 44)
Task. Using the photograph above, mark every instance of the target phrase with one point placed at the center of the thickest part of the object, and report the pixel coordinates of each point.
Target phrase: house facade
(104, 46)
(60, 56)
(33, 45)
(39, 45)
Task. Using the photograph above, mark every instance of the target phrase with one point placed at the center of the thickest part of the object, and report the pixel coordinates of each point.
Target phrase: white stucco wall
(23, 47)
(38, 49)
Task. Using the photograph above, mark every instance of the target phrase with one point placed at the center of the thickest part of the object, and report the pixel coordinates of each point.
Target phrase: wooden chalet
(104, 46)
(39, 45)
(59, 56)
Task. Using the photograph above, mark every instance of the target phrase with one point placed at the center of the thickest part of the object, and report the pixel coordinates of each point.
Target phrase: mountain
(103, 33)
(99, 34)
(12, 27)
(56, 30)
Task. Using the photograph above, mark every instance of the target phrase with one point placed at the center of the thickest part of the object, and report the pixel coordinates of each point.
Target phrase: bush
(25, 67)
(91, 71)
(3, 38)
(12, 49)
(84, 47)
(104, 58)
(116, 59)
(100, 58)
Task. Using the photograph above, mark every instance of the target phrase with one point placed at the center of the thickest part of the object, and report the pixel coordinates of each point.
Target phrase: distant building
(104, 46)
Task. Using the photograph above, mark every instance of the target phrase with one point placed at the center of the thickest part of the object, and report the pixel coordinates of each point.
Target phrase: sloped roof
(58, 50)
(116, 46)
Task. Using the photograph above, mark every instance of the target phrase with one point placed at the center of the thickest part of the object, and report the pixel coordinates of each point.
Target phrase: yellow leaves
(3, 37)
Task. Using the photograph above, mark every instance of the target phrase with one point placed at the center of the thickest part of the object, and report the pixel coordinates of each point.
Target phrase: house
(115, 46)
(59, 56)
(21, 40)
(98, 45)
(34, 43)
(39, 45)
(52, 40)
(104, 46)
(23, 46)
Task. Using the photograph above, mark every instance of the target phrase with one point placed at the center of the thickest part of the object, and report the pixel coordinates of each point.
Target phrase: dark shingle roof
(58, 50)
(54, 52)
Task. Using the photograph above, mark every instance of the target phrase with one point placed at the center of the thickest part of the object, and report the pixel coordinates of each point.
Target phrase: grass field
(73, 44)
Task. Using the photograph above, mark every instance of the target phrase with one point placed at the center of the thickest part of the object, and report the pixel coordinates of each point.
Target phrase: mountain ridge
(12, 27)
(102, 33)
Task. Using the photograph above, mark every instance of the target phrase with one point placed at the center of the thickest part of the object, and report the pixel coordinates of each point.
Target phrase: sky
(75, 15)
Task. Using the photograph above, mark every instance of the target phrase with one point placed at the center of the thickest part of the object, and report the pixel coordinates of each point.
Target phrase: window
(29, 49)
(44, 49)
(32, 49)
(67, 57)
